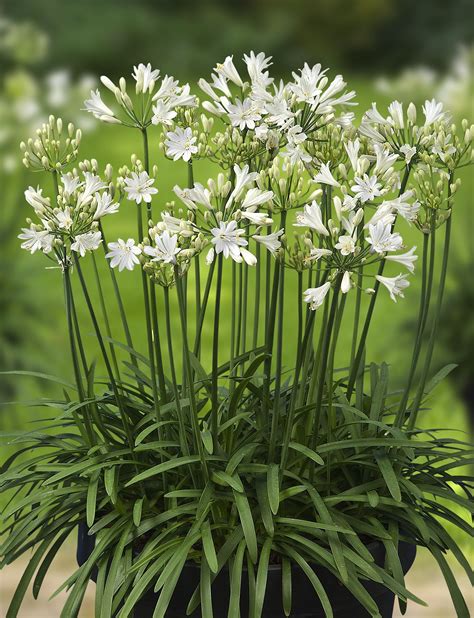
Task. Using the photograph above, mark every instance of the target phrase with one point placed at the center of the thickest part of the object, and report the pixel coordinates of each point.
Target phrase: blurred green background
(52, 53)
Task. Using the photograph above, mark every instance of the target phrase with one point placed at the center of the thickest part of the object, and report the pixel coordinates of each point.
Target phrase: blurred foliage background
(52, 53)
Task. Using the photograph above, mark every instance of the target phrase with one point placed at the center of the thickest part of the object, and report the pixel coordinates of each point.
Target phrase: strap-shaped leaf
(262, 574)
(273, 487)
(248, 526)
(236, 581)
(208, 546)
(314, 579)
(389, 476)
(304, 450)
(286, 585)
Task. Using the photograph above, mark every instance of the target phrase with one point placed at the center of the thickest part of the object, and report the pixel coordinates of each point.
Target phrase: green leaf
(248, 526)
(315, 581)
(44, 567)
(91, 503)
(437, 378)
(273, 487)
(286, 585)
(222, 478)
(163, 467)
(206, 593)
(137, 511)
(389, 476)
(25, 579)
(265, 511)
(262, 574)
(208, 546)
(304, 450)
(109, 589)
(236, 581)
(456, 595)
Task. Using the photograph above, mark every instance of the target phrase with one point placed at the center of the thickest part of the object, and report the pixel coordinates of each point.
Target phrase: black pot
(305, 602)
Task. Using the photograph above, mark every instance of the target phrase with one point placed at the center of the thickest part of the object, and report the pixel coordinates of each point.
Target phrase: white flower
(407, 210)
(89, 241)
(382, 239)
(433, 111)
(255, 197)
(201, 195)
(165, 250)
(256, 65)
(105, 205)
(346, 245)
(242, 178)
(312, 217)
(407, 259)
(36, 240)
(384, 159)
(346, 282)
(227, 239)
(70, 183)
(227, 69)
(315, 296)
(395, 110)
(395, 285)
(99, 109)
(257, 218)
(180, 144)
(325, 176)
(317, 253)
(163, 113)
(140, 187)
(35, 198)
(366, 188)
(64, 218)
(185, 196)
(243, 114)
(248, 257)
(270, 241)
(183, 97)
(305, 87)
(210, 256)
(352, 149)
(92, 184)
(296, 153)
(176, 226)
(408, 151)
(145, 77)
(123, 254)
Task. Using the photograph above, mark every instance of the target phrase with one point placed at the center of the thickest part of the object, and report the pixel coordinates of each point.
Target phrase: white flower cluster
(69, 223)
(296, 178)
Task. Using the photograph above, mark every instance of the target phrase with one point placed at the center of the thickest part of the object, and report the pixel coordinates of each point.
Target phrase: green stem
(182, 425)
(370, 311)
(188, 368)
(202, 313)
(429, 354)
(422, 315)
(278, 369)
(215, 355)
(117, 395)
(323, 365)
(106, 318)
(121, 308)
(256, 316)
(85, 431)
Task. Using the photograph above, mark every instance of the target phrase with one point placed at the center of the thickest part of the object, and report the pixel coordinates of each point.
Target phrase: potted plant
(246, 462)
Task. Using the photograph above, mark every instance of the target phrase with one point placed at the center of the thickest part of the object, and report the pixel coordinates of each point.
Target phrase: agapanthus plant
(234, 440)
